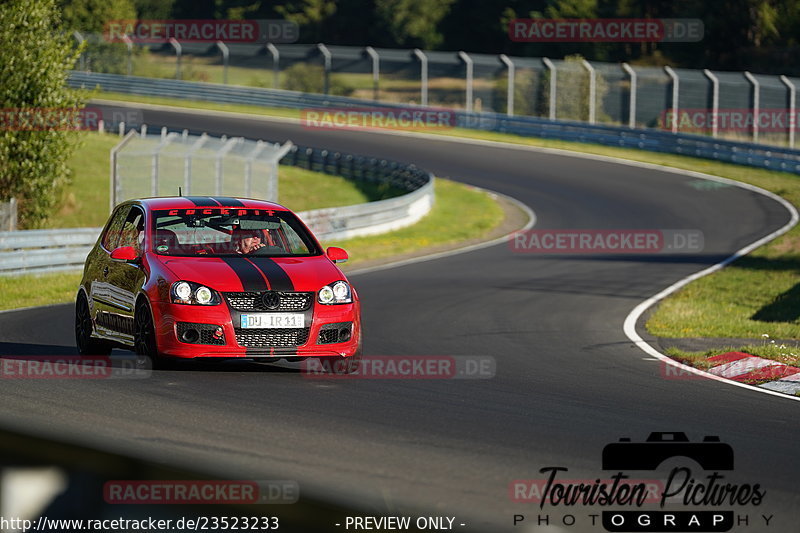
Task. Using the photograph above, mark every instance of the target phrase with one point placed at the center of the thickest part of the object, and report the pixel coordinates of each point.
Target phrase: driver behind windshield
(248, 241)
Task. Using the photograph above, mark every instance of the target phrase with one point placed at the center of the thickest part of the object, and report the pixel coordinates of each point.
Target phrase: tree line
(758, 35)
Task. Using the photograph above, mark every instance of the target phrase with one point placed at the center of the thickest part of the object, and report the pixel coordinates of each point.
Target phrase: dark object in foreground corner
(87, 471)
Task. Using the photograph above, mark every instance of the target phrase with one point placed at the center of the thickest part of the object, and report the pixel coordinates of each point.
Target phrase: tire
(87, 345)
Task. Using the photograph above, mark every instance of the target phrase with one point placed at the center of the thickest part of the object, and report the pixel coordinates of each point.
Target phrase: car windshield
(230, 231)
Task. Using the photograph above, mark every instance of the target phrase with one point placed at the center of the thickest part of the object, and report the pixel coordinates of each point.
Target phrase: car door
(100, 289)
(125, 279)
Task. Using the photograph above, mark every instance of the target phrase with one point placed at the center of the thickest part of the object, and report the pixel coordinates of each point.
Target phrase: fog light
(218, 333)
(191, 336)
(344, 334)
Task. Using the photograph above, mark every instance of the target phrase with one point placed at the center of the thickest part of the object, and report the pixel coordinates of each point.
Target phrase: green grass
(445, 224)
(85, 201)
(32, 290)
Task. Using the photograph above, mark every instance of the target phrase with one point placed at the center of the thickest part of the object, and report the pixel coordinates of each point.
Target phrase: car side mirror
(125, 253)
(337, 255)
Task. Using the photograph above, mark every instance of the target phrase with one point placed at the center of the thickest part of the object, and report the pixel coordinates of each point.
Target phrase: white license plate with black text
(272, 320)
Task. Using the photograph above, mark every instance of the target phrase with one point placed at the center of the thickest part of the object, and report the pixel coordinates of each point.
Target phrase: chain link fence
(145, 165)
(730, 105)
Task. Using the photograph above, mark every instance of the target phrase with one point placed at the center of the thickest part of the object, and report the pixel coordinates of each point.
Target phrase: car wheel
(144, 339)
(83, 331)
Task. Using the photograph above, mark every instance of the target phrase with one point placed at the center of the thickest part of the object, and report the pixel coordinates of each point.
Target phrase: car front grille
(267, 338)
(254, 301)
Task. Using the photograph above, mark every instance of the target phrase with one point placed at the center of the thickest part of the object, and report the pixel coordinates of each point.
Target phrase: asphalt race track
(567, 381)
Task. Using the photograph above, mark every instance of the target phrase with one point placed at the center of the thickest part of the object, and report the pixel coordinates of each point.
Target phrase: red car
(190, 277)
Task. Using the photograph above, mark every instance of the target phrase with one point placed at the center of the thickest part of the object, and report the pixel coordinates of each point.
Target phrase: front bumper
(168, 316)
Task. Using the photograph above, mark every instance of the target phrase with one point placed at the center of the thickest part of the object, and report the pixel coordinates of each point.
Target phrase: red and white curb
(746, 368)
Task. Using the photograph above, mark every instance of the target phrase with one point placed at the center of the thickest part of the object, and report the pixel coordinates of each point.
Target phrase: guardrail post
(553, 86)
(376, 71)
(756, 108)
(326, 55)
(592, 90)
(82, 59)
(675, 88)
(468, 62)
(714, 101)
(225, 56)
(631, 96)
(511, 76)
(178, 52)
(792, 123)
(276, 63)
(423, 74)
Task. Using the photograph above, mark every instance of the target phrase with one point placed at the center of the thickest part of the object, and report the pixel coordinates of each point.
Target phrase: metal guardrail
(42, 251)
(743, 153)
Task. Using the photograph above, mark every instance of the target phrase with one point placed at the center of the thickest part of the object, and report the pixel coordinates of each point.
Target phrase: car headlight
(335, 293)
(187, 292)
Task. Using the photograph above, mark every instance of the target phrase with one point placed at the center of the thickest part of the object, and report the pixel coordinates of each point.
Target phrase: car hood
(254, 273)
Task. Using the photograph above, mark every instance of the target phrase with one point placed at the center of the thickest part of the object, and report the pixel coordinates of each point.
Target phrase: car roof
(189, 202)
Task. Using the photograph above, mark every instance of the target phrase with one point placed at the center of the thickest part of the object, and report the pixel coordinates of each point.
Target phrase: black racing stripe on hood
(227, 201)
(202, 201)
(278, 278)
(251, 277)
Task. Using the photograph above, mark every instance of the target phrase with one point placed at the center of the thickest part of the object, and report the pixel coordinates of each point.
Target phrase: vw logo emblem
(271, 300)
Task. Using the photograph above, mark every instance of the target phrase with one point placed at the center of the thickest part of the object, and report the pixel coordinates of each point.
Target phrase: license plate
(273, 320)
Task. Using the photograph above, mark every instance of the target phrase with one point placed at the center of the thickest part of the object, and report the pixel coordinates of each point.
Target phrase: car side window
(133, 230)
(111, 237)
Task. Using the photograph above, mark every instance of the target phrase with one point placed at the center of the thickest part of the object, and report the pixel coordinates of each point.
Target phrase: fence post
(154, 163)
(276, 68)
(225, 56)
(632, 96)
(553, 85)
(187, 162)
(326, 55)
(592, 90)
(376, 72)
(248, 169)
(756, 102)
(792, 124)
(714, 101)
(675, 88)
(221, 153)
(511, 76)
(423, 74)
(178, 52)
(113, 174)
(468, 61)
(80, 39)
